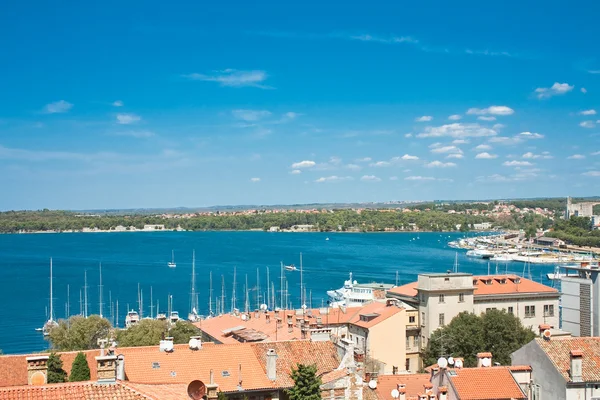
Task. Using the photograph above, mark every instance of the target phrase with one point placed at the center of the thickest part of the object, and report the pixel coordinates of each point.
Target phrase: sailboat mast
(85, 288)
(100, 305)
(269, 304)
(117, 322)
(80, 303)
(51, 299)
(141, 303)
(111, 308)
(151, 304)
(301, 285)
(222, 294)
(68, 300)
(257, 290)
(233, 295)
(282, 297)
(246, 303)
(193, 297)
(210, 294)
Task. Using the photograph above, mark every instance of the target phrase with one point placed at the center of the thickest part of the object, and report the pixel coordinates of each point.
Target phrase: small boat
(290, 267)
(132, 318)
(326, 238)
(172, 264)
(39, 329)
(51, 323)
(175, 317)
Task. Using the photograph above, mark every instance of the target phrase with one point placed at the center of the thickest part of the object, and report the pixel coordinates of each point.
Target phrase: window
(442, 321)
(411, 319)
(407, 365)
(423, 318)
(461, 297)
(511, 310)
(441, 298)
(408, 342)
(535, 392)
(530, 311)
(548, 310)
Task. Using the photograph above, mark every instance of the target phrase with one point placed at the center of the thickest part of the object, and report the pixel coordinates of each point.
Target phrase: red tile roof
(493, 287)
(73, 391)
(490, 383)
(415, 384)
(559, 353)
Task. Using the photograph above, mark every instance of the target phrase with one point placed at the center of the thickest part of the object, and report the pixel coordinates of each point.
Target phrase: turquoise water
(132, 258)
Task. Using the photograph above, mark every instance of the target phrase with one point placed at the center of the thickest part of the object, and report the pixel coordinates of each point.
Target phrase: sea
(132, 260)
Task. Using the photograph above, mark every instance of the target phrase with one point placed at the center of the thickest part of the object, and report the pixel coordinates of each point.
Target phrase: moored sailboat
(51, 323)
(172, 264)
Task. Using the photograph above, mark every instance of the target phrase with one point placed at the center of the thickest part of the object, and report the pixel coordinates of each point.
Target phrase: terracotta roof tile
(382, 311)
(559, 353)
(409, 290)
(72, 391)
(174, 391)
(519, 367)
(490, 383)
(415, 384)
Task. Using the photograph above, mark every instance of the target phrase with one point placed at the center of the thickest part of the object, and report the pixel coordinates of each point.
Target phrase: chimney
(121, 367)
(576, 365)
(37, 370)
(271, 364)
(107, 369)
(542, 328)
(268, 318)
(442, 393)
(211, 388)
(402, 392)
(484, 359)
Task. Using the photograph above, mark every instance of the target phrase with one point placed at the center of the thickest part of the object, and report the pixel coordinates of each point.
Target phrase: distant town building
(579, 209)
(441, 297)
(548, 241)
(562, 369)
(154, 227)
(580, 300)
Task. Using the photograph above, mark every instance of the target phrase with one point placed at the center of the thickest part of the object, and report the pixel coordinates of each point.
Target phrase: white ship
(480, 253)
(132, 318)
(339, 295)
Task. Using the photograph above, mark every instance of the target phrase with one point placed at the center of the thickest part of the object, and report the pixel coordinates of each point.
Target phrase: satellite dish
(395, 393)
(458, 363)
(442, 362)
(486, 362)
(195, 344)
(244, 317)
(450, 360)
(263, 307)
(373, 384)
(547, 334)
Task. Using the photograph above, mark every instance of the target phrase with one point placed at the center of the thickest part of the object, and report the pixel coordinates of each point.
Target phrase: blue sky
(157, 104)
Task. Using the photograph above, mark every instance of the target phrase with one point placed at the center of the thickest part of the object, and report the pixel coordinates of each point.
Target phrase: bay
(129, 259)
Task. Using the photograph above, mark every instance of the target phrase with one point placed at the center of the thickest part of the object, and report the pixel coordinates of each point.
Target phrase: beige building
(441, 297)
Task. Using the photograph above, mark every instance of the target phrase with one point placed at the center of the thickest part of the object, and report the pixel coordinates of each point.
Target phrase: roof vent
(155, 365)
(225, 374)
(166, 345)
(195, 343)
(173, 374)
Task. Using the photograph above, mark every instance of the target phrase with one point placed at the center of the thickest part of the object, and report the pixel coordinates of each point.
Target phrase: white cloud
(587, 112)
(233, 78)
(439, 149)
(530, 135)
(353, 167)
(482, 147)
(484, 118)
(587, 124)
(516, 163)
(457, 130)
(455, 155)
(409, 157)
(419, 178)
(370, 178)
(591, 173)
(291, 115)
(460, 141)
(486, 155)
(60, 106)
(254, 179)
(583, 90)
(576, 157)
(554, 90)
(424, 118)
(250, 115)
(498, 126)
(118, 103)
(455, 117)
(408, 135)
(439, 164)
(303, 164)
(493, 110)
(126, 119)
(380, 164)
(295, 172)
(596, 153)
(364, 159)
(333, 178)
(393, 178)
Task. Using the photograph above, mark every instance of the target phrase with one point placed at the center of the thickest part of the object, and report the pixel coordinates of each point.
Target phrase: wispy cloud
(492, 110)
(457, 130)
(594, 71)
(530, 135)
(439, 148)
(126, 119)
(554, 90)
(233, 78)
(455, 155)
(43, 155)
(364, 159)
(254, 180)
(455, 117)
(295, 172)
(118, 103)
(250, 115)
(482, 147)
(484, 118)
(424, 118)
(380, 164)
(60, 106)
(576, 157)
(407, 157)
(592, 173)
(545, 155)
(304, 164)
(333, 178)
(587, 124)
(515, 163)
(439, 164)
(587, 112)
(370, 178)
(136, 134)
(426, 178)
(486, 156)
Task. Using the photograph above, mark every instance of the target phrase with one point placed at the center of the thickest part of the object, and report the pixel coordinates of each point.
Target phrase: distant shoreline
(223, 230)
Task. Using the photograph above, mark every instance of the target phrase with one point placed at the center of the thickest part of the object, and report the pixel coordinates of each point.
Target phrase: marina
(227, 271)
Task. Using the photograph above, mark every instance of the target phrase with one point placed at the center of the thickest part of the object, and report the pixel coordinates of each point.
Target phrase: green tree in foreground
(307, 385)
(79, 333)
(148, 332)
(80, 370)
(56, 373)
(182, 331)
(467, 334)
(221, 396)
